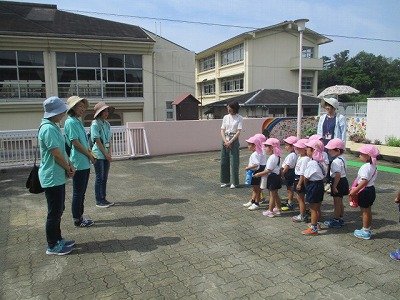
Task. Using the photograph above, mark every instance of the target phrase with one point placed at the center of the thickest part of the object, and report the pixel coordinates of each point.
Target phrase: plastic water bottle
(249, 175)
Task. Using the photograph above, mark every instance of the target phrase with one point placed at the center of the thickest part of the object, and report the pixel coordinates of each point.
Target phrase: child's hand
(397, 200)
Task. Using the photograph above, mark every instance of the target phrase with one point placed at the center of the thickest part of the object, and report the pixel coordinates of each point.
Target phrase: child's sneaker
(59, 249)
(248, 204)
(341, 222)
(310, 231)
(318, 225)
(277, 211)
(298, 218)
(288, 206)
(333, 223)
(362, 234)
(395, 255)
(268, 213)
(254, 206)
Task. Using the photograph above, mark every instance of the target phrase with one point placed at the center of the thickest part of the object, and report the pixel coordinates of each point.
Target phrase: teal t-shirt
(50, 172)
(74, 130)
(102, 130)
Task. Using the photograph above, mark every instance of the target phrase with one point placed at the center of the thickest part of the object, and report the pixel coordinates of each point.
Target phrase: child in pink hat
(338, 179)
(365, 188)
(257, 163)
(287, 170)
(326, 160)
(314, 176)
(270, 176)
(298, 185)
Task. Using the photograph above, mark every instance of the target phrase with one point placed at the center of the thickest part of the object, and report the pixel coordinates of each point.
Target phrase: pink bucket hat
(301, 143)
(261, 137)
(315, 137)
(318, 147)
(291, 140)
(335, 143)
(370, 150)
(256, 140)
(276, 146)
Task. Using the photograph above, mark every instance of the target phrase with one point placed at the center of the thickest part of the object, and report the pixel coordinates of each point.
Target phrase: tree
(373, 76)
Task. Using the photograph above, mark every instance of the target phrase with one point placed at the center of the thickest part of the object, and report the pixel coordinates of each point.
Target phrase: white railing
(17, 147)
(353, 109)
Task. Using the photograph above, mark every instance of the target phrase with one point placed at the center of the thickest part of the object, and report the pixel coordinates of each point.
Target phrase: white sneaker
(254, 206)
(248, 204)
(269, 214)
(233, 186)
(224, 185)
(277, 211)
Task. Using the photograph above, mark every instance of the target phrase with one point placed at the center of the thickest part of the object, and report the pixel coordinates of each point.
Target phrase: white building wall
(382, 118)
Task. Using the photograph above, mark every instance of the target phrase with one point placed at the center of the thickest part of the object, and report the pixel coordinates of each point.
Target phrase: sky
(354, 25)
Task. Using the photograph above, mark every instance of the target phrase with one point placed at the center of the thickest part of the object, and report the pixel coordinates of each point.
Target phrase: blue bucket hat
(53, 106)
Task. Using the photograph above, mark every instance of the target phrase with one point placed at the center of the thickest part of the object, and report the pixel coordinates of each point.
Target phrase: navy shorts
(343, 188)
(315, 191)
(274, 182)
(289, 178)
(296, 181)
(257, 180)
(367, 197)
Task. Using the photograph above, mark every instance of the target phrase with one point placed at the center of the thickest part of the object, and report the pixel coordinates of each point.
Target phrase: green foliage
(392, 141)
(309, 131)
(373, 76)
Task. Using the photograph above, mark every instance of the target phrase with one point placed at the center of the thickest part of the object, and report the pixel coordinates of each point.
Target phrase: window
(232, 55)
(207, 63)
(308, 52)
(99, 75)
(232, 84)
(276, 111)
(22, 74)
(307, 84)
(310, 111)
(169, 110)
(209, 88)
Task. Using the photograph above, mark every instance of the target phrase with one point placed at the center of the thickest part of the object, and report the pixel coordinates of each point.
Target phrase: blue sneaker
(332, 223)
(67, 243)
(84, 223)
(395, 255)
(59, 249)
(341, 222)
(362, 234)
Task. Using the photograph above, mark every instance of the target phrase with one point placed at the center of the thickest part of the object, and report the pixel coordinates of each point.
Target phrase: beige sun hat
(74, 100)
(331, 101)
(99, 107)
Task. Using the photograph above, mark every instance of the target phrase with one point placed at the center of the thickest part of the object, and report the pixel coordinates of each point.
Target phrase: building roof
(280, 27)
(183, 97)
(43, 20)
(268, 97)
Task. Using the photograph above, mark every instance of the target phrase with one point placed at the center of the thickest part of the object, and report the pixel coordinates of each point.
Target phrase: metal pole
(299, 99)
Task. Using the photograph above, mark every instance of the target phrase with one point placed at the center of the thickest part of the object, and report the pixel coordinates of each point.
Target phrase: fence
(17, 147)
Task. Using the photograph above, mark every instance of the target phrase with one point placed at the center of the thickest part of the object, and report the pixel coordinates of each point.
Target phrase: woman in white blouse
(232, 124)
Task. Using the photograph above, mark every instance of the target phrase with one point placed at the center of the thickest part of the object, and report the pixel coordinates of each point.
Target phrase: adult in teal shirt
(54, 170)
(101, 135)
(80, 156)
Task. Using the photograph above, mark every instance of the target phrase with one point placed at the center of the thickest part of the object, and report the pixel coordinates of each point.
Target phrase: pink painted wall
(172, 137)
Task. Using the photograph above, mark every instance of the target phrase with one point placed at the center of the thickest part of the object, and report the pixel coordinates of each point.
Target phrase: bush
(377, 142)
(310, 131)
(366, 141)
(357, 137)
(392, 141)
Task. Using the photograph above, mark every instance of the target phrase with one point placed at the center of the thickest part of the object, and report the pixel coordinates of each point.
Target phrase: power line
(221, 25)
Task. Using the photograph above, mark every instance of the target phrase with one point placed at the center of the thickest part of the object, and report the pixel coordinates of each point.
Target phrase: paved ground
(175, 234)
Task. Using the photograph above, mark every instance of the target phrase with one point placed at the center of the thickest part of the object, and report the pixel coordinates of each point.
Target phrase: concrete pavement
(175, 234)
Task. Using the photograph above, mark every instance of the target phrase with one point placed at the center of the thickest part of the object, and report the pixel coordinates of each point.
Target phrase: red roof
(183, 97)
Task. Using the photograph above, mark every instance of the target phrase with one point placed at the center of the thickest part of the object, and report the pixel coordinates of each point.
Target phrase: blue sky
(371, 19)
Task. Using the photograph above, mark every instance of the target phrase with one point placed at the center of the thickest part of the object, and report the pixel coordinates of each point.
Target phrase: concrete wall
(190, 136)
(383, 118)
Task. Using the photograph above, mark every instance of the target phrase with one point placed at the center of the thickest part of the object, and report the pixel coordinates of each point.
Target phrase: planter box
(386, 152)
